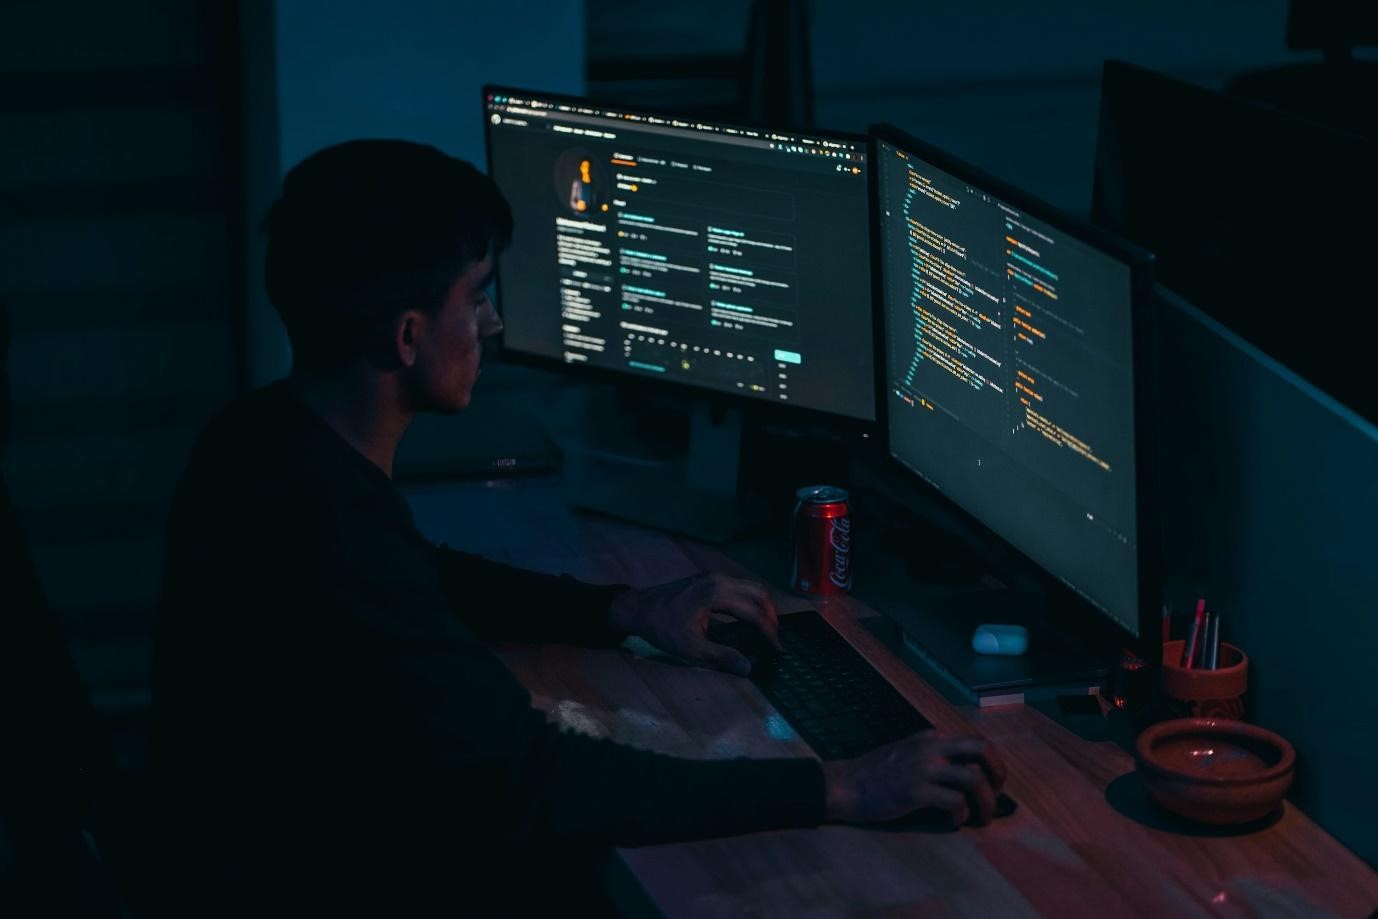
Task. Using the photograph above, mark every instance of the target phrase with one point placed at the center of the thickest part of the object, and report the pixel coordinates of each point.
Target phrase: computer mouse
(991, 638)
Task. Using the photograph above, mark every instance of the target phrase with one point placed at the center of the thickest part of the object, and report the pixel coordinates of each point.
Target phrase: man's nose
(490, 322)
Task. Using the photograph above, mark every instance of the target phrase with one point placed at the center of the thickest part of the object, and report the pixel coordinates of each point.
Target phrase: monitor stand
(695, 496)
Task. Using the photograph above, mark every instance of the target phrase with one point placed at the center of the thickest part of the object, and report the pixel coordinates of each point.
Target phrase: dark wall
(1011, 85)
(1268, 501)
(117, 183)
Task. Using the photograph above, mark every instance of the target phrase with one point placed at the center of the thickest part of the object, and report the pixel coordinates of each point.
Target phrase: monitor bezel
(1148, 643)
(767, 410)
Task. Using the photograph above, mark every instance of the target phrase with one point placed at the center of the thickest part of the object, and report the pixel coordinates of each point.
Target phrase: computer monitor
(1251, 214)
(1331, 26)
(1016, 376)
(729, 262)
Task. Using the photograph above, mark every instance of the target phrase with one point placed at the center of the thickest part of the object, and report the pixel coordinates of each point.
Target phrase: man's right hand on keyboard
(959, 776)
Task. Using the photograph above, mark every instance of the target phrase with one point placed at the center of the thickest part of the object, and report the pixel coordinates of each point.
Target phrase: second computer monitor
(724, 258)
(1010, 360)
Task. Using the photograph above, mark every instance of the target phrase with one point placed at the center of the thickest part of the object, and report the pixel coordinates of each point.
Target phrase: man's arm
(501, 765)
(500, 603)
(537, 779)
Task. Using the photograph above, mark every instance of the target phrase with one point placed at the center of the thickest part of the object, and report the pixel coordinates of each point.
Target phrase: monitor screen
(710, 255)
(1009, 369)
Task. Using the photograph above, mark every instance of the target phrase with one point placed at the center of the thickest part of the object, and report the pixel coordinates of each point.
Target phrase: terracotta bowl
(1215, 771)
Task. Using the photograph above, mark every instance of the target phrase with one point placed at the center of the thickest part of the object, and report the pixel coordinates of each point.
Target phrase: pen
(1202, 658)
(1194, 636)
(1213, 661)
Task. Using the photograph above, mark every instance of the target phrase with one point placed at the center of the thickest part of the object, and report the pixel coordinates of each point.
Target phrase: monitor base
(696, 496)
(659, 497)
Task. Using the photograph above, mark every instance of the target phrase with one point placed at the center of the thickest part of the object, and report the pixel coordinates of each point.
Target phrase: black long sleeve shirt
(321, 682)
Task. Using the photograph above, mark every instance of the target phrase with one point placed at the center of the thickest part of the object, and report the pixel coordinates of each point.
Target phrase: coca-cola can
(822, 536)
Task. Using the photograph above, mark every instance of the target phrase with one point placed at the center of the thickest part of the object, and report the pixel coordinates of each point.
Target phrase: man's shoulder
(268, 450)
(267, 410)
(264, 438)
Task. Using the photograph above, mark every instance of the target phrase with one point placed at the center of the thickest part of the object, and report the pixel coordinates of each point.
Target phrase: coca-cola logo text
(840, 537)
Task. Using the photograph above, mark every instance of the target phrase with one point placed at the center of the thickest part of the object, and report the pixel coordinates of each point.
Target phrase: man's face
(448, 342)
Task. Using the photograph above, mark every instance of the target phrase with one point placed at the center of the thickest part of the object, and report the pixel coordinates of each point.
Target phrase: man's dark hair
(369, 228)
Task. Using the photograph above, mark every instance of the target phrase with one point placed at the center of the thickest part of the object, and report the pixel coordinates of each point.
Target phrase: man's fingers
(717, 583)
(946, 799)
(720, 657)
(762, 596)
(980, 752)
(768, 626)
(743, 601)
(970, 781)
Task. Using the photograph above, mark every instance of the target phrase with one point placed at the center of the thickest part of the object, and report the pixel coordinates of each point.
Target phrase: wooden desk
(1065, 852)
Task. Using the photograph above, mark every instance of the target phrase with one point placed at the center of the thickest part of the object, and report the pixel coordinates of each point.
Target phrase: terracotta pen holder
(1197, 693)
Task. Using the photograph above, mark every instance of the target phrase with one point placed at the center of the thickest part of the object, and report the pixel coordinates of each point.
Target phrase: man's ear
(405, 333)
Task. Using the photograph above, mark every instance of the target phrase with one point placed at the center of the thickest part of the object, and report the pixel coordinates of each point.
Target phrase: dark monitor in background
(1339, 90)
(1332, 26)
(1017, 383)
(1257, 217)
(730, 263)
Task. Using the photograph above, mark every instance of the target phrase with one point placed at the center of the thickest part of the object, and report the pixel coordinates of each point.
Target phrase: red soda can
(822, 533)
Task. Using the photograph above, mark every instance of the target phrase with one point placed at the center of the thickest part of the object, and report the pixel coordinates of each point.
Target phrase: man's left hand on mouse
(675, 616)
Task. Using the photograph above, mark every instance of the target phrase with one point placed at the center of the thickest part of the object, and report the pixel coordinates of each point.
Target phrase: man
(326, 713)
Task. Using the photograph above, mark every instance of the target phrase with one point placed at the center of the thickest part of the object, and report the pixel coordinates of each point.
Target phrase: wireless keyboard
(824, 688)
